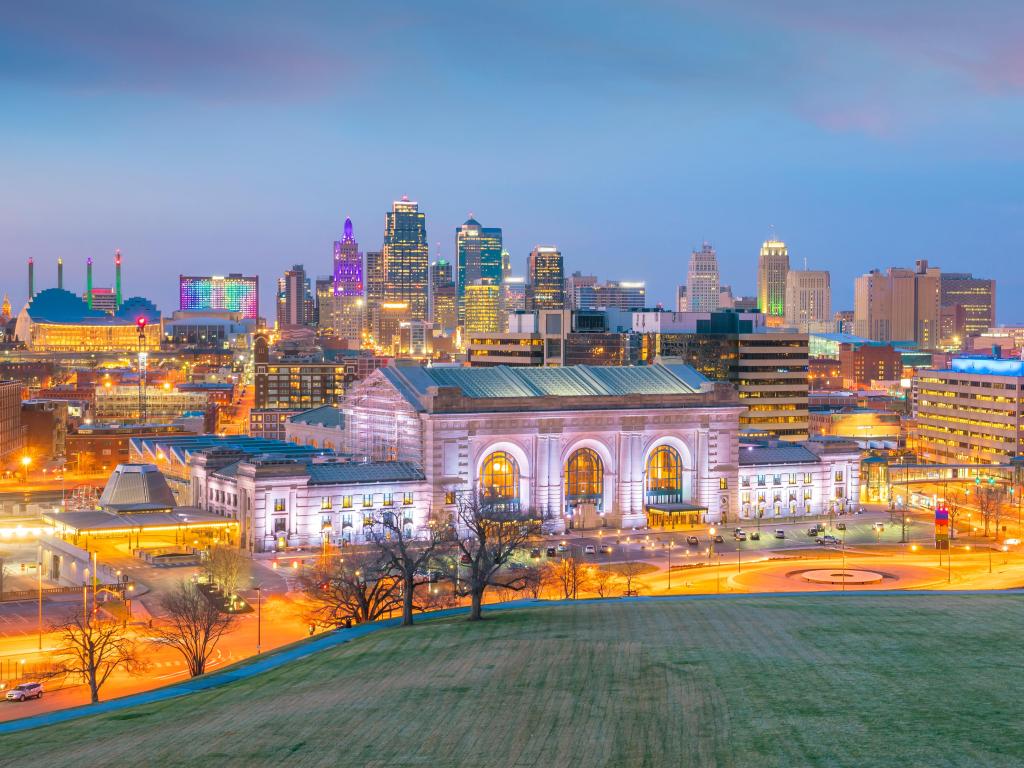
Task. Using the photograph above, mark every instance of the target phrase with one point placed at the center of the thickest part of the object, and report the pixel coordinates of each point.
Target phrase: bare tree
(603, 581)
(629, 570)
(954, 503)
(225, 566)
(193, 627)
(494, 532)
(93, 648)
(406, 555)
(532, 582)
(356, 588)
(568, 575)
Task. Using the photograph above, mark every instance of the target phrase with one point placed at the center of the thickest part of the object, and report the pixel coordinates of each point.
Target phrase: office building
(809, 300)
(477, 257)
(976, 295)
(233, 293)
(545, 279)
(12, 434)
(294, 383)
(294, 298)
(120, 404)
(513, 294)
(843, 321)
(702, 284)
(772, 269)
(899, 305)
(614, 294)
(212, 329)
(482, 302)
(575, 283)
(971, 412)
(443, 308)
(770, 370)
(406, 257)
(863, 364)
(347, 275)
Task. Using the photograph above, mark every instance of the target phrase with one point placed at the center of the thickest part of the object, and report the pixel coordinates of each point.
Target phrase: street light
(26, 460)
(259, 616)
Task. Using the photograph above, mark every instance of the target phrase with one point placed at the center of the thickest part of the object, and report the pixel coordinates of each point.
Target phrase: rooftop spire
(348, 230)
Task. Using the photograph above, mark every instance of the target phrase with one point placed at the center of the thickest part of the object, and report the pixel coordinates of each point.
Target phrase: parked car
(693, 541)
(719, 539)
(740, 536)
(590, 549)
(551, 552)
(840, 526)
(535, 552)
(755, 536)
(780, 533)
(812, 531)
(25, 691)
(563, 548)
(607, 549)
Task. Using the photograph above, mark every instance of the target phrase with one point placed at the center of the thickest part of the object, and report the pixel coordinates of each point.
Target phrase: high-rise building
(12, 434)
(348, 265)
(772, 268)
(341, 303)
(406, 257)
(233, 293)
(975, 294)
(702, 284)
(477, 256)
(294, 298)
(546, 279)
(513, 294)
(809, 300)
(443, 314)
(575, 283)
(483, 307)
(842, 322)
(614, 294)
(899, 305)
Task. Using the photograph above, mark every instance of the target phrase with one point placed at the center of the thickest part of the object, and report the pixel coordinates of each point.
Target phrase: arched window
(499, 477)
(584, 475)
(665, 474)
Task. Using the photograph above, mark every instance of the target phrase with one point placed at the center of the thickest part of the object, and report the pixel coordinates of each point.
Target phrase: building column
(624, 492)
(541, 477)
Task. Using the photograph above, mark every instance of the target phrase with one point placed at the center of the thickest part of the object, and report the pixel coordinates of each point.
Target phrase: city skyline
(186, 173)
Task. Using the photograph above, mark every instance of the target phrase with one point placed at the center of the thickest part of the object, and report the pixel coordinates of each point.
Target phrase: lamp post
(259, 616)
(39, 584)
(26, 460)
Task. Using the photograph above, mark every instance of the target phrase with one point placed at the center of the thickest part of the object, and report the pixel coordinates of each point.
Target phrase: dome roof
(55, 305)
(137, 306)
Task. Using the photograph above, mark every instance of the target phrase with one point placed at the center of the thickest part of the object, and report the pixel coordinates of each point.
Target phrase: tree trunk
(475, 613)
(407, 594)
(94, 692)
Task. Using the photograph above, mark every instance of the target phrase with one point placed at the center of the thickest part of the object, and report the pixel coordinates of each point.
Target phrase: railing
(33, 594)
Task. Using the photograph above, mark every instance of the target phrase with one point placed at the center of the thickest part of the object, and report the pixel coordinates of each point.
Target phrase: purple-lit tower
(348, 264)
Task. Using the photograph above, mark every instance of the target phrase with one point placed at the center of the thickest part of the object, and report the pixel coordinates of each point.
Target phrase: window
(776, 479)
(449, 497)
(792, 478)
(367, 500)
(346, 502)
(808, 493)
(499, 477)
(808, 478)
(723, 484)
(325, 502)
(280, 525)
(745, 481)
(407, 499)
(388, 500)
(760, 497)
(346, 521)
(761, 480)
(664, 471)
(840, 492)
(745, 497)
(279, 505)
(584, 475)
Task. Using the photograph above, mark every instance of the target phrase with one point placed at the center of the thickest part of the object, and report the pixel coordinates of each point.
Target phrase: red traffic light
(141, 322)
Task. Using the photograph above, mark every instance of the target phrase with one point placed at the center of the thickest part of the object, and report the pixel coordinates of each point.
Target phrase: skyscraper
(443, 313)
(234, 293)
(348, 265)
(406, 257)
(483, 307)
(477, 256)
(294, 298)
(772, 268)
(809, 300)
(546, 279)
(342, 309)
(702, 285)
(975, 294)
(899, 305)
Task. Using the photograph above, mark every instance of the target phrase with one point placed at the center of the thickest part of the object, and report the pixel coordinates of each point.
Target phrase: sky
(216, 137)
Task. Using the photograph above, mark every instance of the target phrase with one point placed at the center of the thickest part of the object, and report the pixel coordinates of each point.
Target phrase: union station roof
(578, 381)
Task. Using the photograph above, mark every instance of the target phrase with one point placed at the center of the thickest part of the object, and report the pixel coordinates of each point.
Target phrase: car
(740, 536)
(563, 548)
(1011, 542)
(607, 549)
(693, 541)
(590, 549)
(780, 533)
(755, 536)
(812, 531)
(25, 691)
(840, 526)
(551, 552)
(737, 530)
(535, 552)
(719, 539)
(827, 540)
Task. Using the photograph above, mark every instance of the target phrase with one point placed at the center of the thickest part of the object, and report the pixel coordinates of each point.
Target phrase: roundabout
(840, 576)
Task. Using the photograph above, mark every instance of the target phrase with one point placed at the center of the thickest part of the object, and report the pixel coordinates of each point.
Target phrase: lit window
(279, 505)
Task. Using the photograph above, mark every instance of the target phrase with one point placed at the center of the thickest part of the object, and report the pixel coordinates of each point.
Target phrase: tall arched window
(584, 474)
(665, 474)
(499, 477)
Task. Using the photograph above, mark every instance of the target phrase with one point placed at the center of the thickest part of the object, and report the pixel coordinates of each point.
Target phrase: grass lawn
(908, 680)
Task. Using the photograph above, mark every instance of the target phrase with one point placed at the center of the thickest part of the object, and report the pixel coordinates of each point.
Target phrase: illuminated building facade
(772, 269)
(294, 298)
(443, 311)
(546, 279)
(347, 277)
(702, 283)
(12, 434)
(406, 257)
(478, 257)
(59, 321)
(976, 295)
(970, 413)
(119, 404)
(513, 294)
(234, 293)
(899, 305)
(614, 294)
(483, 307)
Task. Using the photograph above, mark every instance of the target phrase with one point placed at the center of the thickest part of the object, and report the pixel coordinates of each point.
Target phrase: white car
(590, 549)
(25, 691)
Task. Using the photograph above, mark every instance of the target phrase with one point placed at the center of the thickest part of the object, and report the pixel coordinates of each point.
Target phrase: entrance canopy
(675, 514)
(98, 521)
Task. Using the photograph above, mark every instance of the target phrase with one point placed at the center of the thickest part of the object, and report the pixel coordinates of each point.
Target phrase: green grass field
(914, 680)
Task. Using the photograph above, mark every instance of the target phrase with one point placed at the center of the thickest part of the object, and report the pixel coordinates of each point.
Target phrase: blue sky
(217, 137)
